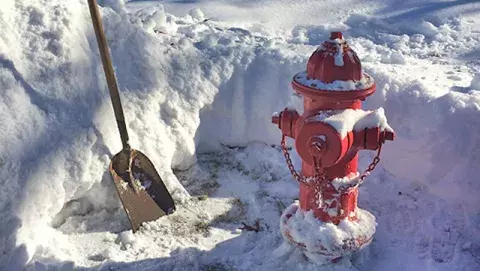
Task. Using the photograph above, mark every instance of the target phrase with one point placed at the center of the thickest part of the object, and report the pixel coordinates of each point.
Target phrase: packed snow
(364, 83)
(304, 228)
(348, 120)
(199, 82)
(347, 182)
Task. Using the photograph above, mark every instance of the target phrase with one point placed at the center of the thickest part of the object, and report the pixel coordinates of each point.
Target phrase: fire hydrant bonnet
(334, 67)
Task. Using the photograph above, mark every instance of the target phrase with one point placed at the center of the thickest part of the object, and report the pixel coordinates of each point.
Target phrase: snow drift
(191, 85)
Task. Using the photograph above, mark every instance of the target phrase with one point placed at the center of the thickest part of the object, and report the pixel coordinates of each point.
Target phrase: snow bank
(61, 130)
(192, 85)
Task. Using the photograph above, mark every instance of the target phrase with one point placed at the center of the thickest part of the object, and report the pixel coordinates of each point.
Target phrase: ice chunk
(196, 14)
(475, 84)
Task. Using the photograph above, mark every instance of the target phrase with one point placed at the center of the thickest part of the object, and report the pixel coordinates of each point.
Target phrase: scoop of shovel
(140, 188)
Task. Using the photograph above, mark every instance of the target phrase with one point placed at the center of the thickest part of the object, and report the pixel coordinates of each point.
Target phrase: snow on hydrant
(326, 223)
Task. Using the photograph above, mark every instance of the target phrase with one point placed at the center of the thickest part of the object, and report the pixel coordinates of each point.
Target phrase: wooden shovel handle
(109, 73)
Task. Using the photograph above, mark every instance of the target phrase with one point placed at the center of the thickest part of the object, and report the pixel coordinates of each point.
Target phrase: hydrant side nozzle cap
(276, 118)
(389, 135)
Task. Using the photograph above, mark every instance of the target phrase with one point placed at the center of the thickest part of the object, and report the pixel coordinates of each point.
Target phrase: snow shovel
(140, 188)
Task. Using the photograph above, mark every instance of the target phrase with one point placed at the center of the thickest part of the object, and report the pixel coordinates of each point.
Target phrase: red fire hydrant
(327, 225)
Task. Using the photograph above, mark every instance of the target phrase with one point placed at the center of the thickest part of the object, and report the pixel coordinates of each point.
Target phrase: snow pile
(117, 5)
(188, 85)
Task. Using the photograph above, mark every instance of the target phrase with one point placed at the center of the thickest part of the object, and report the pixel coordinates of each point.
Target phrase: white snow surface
(199, 81)
(348, 120)
(346, 182)
(338, 85)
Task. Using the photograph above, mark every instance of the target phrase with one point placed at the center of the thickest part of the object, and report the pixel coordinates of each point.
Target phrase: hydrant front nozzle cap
(336, 35)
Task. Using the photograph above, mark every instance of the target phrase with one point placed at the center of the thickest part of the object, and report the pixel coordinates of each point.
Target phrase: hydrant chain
(320, 176)
(289, 161)
(373, 164)
(367, 172)
(317, 178)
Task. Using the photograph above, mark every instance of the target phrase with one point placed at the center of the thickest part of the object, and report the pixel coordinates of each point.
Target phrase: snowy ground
(198, 96)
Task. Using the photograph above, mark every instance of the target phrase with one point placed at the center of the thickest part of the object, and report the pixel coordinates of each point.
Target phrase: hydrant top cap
(334, 66)
(334, 60)
(336, 35)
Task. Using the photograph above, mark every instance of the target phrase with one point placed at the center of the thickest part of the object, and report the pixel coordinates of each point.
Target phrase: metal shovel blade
(141, 190)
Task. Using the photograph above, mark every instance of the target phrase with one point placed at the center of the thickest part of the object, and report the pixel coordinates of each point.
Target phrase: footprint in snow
(450, 218)
(454, 78)
(448, 232)
(443, 247)
(399, 222)
(422, 246)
